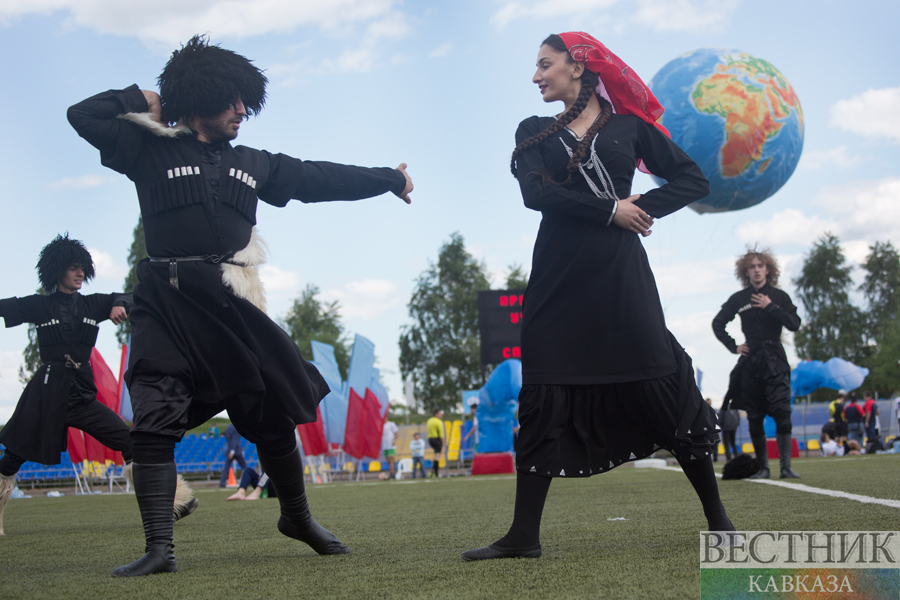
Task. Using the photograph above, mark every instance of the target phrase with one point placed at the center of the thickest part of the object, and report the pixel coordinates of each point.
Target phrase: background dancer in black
(761, 381)
(201, 341)
(604, 382)
(62, 393)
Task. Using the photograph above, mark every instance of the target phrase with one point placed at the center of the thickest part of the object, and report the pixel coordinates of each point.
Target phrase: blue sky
(441, 86)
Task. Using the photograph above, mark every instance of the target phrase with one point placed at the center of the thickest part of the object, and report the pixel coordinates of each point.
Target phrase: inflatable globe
(738, 118)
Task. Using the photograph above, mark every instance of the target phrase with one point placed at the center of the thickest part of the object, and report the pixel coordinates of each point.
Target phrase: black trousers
(728, 440)
(164, 409)
(92, 417)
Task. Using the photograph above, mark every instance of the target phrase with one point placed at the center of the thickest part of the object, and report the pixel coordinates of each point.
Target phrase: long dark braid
(582, 148)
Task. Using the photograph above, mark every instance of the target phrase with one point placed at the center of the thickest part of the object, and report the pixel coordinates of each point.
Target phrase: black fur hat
(741, 466)
(203, 80)
(58, 256)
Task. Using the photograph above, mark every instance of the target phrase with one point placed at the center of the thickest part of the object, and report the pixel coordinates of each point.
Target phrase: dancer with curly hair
(62, 392)
(604, 382)
(760, 383)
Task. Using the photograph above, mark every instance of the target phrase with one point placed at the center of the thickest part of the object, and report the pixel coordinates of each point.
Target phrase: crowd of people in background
(853, 427)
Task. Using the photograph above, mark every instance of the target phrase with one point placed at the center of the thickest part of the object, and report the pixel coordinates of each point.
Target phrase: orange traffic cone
(231, 481)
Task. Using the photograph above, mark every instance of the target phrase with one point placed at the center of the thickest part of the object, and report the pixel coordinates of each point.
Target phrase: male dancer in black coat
(201, 341)
(62, 393)
(761, 381)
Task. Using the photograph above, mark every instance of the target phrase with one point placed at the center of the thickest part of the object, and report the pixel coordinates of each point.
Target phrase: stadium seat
(814, 445)
(747, 448)
(374, 466)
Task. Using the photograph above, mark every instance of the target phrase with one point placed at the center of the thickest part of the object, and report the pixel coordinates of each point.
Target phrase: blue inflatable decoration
(738, 118)
(498, 401)
(836, 374)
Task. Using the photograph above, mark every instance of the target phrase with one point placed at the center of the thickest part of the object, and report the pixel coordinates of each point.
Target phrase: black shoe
(763, 473)
(489, 552)
(149, 564)
(788, 473)
(286, 474)
(317, 537)
(183, 511)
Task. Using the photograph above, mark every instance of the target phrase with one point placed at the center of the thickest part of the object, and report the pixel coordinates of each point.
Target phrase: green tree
(516, 277)
(136, 254)
(441, 350)
(832, 325)
(881, 289)
(31, 356)
(311, 319)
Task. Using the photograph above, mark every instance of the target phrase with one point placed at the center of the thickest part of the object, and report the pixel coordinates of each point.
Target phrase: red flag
(123, 366)
(312, 436)
(76, 445)
(107, 394)
(373, 426)
(354, 440)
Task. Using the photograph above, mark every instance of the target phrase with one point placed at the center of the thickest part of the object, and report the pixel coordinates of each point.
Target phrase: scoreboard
(500, 322)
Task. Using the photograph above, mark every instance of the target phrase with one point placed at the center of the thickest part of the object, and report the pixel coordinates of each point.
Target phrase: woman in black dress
(604, 382)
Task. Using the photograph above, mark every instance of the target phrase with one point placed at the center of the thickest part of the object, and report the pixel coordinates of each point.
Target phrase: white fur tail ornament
(243, 279)
(7, 483)
(185, 503)
(149, 122)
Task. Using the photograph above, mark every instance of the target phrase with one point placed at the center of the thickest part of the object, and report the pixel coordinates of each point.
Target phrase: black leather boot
(784, 455)
(762, 458)
(286, 474)
(154, 486)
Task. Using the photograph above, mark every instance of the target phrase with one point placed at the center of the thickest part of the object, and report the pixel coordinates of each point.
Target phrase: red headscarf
(618, 83)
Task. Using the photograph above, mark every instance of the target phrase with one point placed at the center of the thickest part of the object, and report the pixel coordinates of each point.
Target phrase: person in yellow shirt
(436, 437)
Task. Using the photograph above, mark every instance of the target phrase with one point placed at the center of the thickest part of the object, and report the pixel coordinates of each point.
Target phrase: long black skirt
(583, 430)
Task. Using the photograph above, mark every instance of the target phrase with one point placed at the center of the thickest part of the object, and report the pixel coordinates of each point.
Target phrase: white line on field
(812, 490)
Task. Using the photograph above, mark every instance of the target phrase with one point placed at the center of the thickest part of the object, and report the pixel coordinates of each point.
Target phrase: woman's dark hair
(589, 82)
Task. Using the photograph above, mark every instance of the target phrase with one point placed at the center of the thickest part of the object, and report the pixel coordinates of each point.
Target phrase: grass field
(407, 537)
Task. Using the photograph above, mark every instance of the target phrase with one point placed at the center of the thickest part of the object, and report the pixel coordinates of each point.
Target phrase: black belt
(207, 258)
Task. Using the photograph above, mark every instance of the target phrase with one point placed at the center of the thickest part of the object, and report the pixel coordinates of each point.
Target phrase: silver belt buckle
(173, 273)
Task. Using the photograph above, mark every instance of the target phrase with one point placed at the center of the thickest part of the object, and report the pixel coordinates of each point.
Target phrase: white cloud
(278, 281)
(786, 227)
(680, 279)
(366, 299)
(81, 183)
(544, 9)
(838, 157)
(659, 15)
(866, 210)
(441, 51)
(174, 21)
(106, 267)
(686, 15)
(859, 214)
(365, 57)
(873, 114)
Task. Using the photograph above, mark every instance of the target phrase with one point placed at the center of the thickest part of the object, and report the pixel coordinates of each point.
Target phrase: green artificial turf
(407, 538)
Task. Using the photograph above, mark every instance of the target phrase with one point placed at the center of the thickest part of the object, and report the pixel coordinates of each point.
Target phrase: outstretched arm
(16, 311)
(320, 181)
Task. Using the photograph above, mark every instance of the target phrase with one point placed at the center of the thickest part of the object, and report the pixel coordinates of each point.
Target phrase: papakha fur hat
(58, 256)
(203, 80)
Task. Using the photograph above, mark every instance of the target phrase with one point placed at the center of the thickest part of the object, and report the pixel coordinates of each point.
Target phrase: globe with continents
(738, 117)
